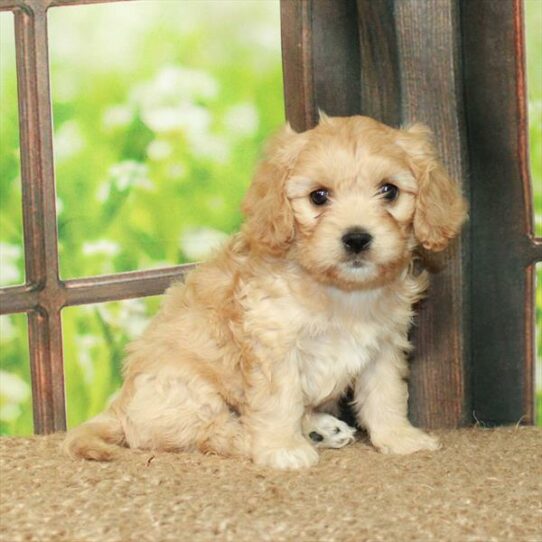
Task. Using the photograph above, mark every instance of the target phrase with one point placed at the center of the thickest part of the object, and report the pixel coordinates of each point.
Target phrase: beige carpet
(484, 485)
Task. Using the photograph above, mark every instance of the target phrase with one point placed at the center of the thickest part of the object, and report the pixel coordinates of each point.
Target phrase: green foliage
(158, 122)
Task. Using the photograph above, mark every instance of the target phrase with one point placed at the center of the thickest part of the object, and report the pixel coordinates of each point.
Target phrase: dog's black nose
(356, 241)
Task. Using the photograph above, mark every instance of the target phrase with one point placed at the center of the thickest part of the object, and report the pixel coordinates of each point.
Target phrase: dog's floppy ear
(270, 222)
(440, 207)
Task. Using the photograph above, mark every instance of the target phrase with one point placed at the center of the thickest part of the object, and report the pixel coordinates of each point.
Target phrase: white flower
(535, 107)
(169, 102)
(187, 118)
(125, 175)
(216, 203)
(7, 329)
(59, 206)
(199, 243)
(68, 140)
(209, 146)
(129, 315)
(266, 36)
(129, 173)
(85, 344)
(242, 119)
(103, 247)
(9, 412)
(9, 270)
(133, 317)
(159, 150)
(117, 116)
(13, 389)
(177, 84)
(176, 171)
(66, 86)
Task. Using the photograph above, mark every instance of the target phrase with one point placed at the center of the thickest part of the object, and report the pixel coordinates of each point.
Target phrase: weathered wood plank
(501, 220)
(429, 53)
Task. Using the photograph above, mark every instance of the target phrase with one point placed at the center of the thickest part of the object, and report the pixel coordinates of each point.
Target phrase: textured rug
(484, 485)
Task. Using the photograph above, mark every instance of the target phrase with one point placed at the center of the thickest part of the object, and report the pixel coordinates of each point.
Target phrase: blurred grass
(158, 123)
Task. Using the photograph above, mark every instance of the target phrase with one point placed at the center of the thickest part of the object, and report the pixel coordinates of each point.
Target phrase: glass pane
(533, 19)
(15, 386)
(533, 24)
(11, 222)
(94, 341)
(158, 124)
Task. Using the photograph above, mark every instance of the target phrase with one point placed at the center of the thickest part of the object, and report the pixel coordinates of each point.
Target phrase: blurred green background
(160, 111)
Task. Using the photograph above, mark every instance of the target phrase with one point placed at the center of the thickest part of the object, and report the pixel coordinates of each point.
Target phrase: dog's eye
(388, 191)
(320, 196)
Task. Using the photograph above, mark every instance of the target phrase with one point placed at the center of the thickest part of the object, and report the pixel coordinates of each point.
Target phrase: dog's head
(351, 199)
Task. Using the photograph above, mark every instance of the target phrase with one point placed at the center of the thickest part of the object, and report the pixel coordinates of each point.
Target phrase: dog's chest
(330, 359)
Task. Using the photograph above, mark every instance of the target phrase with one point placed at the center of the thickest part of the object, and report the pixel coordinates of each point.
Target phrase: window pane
(94, 341)
(15, 387)
(160, 111)
(11, 223)
(533, 18)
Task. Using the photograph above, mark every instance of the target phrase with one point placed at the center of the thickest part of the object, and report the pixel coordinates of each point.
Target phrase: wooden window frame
(347, 57)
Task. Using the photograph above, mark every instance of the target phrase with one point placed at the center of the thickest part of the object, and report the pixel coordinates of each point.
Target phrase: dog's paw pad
(326, 431)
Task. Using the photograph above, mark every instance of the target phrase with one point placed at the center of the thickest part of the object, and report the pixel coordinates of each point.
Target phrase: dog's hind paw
(326, 431)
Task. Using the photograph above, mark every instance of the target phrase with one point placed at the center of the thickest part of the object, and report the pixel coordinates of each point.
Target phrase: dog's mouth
(357, 264)
(357, 267)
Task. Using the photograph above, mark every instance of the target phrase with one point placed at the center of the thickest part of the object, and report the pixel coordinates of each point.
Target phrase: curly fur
(283, 320)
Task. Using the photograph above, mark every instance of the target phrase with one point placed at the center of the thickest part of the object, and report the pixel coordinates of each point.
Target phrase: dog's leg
(380, 402)
(273, 417)
(326, 431)
(182, 412)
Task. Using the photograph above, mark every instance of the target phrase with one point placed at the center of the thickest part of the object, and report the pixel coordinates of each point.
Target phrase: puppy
(314, 296)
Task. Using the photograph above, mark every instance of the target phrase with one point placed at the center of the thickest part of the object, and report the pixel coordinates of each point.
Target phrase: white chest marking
(329, 360)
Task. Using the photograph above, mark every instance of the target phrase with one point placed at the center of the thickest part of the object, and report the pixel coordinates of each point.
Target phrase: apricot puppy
(314, 296)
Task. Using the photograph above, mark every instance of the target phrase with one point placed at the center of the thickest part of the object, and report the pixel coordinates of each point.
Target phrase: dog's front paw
(326, 431)
(403, 440)
(295, 456)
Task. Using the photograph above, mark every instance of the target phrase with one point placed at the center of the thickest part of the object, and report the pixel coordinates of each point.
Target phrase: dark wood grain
(428, 38)
(335, 57)
(408, 56)
(503, 249)
(296, 25)
(320, 59)
(380, 84)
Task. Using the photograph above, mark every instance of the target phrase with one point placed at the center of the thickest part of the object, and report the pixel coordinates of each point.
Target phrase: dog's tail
(96, 439)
